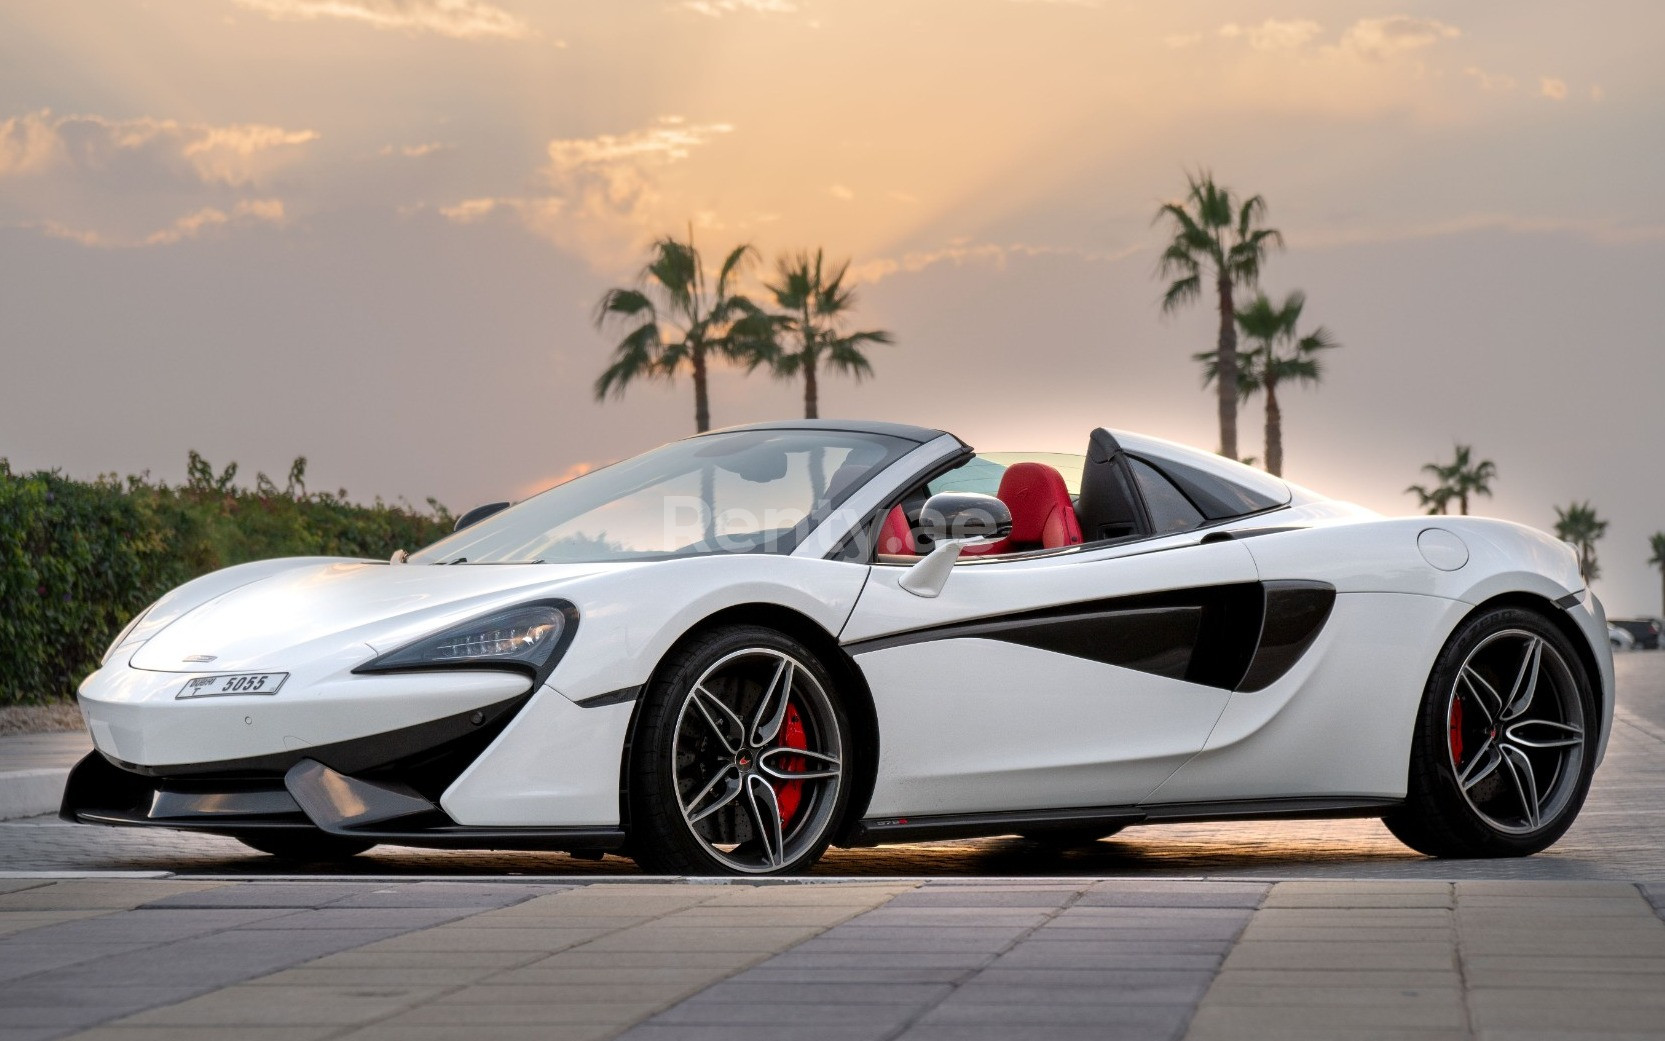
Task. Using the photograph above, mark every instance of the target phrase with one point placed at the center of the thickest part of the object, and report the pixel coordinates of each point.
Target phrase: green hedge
(78, 559)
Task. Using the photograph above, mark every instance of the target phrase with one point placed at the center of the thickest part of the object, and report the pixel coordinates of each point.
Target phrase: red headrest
(896, 538)
(1042, 513)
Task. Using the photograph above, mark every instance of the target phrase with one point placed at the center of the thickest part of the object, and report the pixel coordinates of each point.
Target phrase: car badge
(201, 657)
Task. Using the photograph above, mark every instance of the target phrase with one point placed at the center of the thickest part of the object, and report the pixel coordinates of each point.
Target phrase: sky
(373, 232)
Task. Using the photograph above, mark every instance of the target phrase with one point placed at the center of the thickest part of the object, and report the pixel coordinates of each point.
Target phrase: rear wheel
(739, 758)
(1505, 742)
(304, 846)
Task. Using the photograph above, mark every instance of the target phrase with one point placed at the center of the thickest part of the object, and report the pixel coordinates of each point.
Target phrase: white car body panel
(1265, 744)
(557, 762)
(1088, 735)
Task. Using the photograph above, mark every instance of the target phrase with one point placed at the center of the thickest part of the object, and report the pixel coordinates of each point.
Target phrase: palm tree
(1217, 237)
(816, 303)
(1471, 478)
(1579, 525)
(1657, 542)
(1458, 480)
(676, 323)
(1280, 355)
(1435, 500)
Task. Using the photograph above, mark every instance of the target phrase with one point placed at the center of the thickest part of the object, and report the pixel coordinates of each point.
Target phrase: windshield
(983, 471)
(750, 491)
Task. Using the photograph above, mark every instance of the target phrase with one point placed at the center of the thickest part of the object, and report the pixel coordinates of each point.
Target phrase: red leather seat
(1042, 515)
(896, 538)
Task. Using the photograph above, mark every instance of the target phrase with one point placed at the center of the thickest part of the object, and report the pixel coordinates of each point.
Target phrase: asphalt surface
(1620, 835)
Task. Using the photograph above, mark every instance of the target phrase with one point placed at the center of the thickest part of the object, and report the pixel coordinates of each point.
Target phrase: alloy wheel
(756, 762)
(1516, 731)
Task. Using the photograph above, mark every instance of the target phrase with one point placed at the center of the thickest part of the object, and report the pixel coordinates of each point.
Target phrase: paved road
(1619, 836)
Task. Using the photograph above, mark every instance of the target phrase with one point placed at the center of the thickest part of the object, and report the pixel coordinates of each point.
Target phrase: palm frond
(624, 303)
(1181, 292)
(640, 355)
(732, 264)
(845, 355)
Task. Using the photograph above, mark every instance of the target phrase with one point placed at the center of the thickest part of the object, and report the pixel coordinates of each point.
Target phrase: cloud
(1179, 41)
(961, 252)
(230, 154)
(840, 192)
(1596, 93)
(460, 19)
(718, 8)
(248, 212)
(1273, 34)
(1383, 38)
(542, 484)
(601, 194)
(417, 151)
(1490, 81)
(143, 180)
(1552, 88)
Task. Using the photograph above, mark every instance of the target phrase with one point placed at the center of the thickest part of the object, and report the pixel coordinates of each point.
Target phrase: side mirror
(478, 514)
(954, 520)
(965, 515)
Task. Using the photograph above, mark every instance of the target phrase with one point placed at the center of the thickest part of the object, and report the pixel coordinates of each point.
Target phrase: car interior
(1121, 497)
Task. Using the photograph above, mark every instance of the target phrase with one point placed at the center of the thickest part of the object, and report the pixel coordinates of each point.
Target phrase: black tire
(1466, 796)
(698, 803)
(1069, 838)
(304, 846)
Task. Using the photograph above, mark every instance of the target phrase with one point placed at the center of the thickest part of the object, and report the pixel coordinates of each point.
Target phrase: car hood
(316, 609)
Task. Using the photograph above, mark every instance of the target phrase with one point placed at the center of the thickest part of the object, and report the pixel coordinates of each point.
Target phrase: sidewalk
(902, 960)
(33, 768)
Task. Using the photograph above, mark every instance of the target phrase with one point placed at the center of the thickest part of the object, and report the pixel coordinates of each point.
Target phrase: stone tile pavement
(905, 960)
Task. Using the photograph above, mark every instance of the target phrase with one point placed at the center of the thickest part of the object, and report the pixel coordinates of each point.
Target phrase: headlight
(529, 637)
(121, 637)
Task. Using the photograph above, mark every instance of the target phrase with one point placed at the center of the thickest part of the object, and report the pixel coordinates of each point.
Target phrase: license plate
(233, 683)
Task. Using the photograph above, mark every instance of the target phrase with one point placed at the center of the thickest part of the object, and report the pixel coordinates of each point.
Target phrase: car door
(1080, 678)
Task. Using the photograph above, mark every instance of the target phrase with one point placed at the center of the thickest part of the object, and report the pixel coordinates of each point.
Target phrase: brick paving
(134, 959)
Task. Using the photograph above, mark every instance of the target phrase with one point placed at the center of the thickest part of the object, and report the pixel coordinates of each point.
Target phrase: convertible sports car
(728, 653)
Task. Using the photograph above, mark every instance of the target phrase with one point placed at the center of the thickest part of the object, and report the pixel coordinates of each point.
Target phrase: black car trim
(875, 831)
(1237, 636)
(1295, 613)
(622, 696)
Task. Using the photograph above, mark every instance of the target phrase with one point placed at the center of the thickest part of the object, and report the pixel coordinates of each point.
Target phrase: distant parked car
(1620, 638)
(1645, 631)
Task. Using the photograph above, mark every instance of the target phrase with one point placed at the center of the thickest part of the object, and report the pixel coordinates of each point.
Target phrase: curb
(31, 793)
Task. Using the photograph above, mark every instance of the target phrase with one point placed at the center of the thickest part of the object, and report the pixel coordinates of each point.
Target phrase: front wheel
(740, 760)
(1505, 741)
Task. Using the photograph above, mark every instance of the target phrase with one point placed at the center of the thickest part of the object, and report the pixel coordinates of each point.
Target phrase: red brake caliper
(1454, 727)
(790, 793)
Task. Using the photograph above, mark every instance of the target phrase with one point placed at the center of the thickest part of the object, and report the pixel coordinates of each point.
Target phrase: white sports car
(727, 653)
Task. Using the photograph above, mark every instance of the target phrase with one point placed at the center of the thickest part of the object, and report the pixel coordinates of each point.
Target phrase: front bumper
(382, 788)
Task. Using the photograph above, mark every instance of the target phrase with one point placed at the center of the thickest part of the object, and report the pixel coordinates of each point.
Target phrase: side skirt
(886, 830)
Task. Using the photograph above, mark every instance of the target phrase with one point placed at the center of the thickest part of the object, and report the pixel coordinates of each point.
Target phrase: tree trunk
(1662, 590)
(1227, 374)
(1274, 430)
(702, 404)
(812, 393)
(1462, 502)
